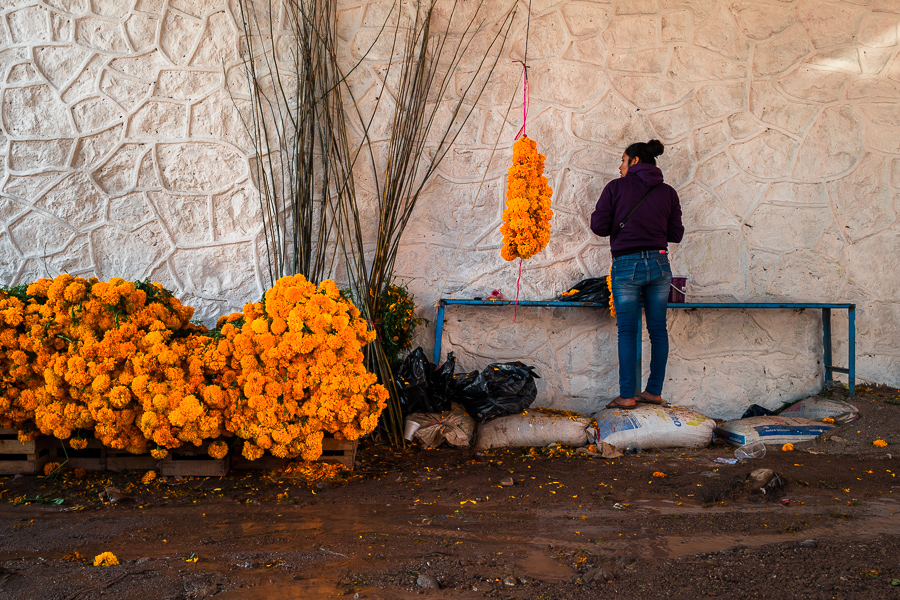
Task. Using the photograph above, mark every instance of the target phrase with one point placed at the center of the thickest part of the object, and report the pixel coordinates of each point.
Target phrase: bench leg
(851, 349)
(826, 344)
(438, 333)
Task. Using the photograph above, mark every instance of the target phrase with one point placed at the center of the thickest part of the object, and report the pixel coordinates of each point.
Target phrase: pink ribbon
(524, 99)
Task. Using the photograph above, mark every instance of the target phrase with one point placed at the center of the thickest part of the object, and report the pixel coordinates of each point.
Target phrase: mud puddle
(320, 551)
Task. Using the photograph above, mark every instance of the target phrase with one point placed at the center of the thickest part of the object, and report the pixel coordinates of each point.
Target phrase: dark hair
(646, 151)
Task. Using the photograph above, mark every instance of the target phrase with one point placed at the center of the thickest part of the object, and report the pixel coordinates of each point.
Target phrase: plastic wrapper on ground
(454, 426)
(648, 427)
(532, 429)
(771, 430)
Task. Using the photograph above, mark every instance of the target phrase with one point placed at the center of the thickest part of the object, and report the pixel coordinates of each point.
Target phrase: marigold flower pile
(526, 220)
(298, 359)
(121, 360)
(84, 356)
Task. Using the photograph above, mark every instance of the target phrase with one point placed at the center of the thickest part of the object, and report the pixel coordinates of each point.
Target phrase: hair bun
(655, 148)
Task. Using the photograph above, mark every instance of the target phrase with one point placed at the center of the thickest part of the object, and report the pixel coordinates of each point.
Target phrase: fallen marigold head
(148, 477)
(50, 467)
(218, 449)
(787, 448)
(659, 474)
(880, 443)
(74, 556)
(105, 559)
(828, 420)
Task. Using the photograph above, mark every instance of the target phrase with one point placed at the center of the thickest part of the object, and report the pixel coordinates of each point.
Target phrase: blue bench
(826, 308)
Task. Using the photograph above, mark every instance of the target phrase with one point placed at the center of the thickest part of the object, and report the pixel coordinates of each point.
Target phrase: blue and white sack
(774, 429)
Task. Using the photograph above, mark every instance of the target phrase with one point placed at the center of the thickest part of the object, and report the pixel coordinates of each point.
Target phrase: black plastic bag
(594, 289)
(439, 390)
(422, 386)
(412, 380)
(459, 381)
(500, 389)
(755, 410)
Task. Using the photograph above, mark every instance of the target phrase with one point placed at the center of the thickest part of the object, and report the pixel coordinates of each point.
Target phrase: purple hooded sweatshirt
(653, 225)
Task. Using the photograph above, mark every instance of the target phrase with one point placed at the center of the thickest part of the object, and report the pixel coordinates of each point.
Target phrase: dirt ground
(522, 524)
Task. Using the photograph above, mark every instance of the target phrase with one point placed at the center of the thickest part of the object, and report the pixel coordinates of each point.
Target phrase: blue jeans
(645, 276)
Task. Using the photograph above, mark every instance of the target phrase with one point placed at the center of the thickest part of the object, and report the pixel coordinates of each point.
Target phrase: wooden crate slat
(16, 447)
(339, 451)
(90, 458)
(333, 451)
(120, 460)
(266, 462)
(26, 458)
(194, 461)
(194, 467)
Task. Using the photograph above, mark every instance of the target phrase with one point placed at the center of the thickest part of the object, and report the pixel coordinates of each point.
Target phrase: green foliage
(20, 292)
(397, 322)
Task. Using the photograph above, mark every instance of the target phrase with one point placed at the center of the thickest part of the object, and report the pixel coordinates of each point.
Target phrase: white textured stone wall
(123, 155)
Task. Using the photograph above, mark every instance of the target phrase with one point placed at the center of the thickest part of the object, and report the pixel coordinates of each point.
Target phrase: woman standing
(641, 215)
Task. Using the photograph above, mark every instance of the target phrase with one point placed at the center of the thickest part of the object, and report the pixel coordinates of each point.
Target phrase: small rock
(597, 575)
(809, 543)
(114, 496)
(764, 481)
(142, 560)
(524, 580)
(507, 481)
(624, 561)
(759, 478)
(427, 582)
(837, 438)
(323, 485)
(509, 581)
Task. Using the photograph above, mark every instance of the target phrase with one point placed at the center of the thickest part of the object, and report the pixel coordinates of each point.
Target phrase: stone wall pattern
(123, 155)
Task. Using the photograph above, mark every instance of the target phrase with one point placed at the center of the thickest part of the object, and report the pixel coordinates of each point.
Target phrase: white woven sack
(532, 429)
(818, 408)
(650, 426)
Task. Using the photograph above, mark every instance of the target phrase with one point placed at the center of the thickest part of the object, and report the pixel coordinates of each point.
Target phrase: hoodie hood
(650, 175)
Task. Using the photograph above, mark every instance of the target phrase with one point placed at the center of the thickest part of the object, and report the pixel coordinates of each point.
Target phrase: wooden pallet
(333, 451)
(122, 460)
(91, 458)
(194, 461)
(26, 458)
(339, 451)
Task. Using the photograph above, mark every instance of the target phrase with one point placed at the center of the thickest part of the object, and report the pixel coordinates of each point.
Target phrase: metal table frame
(825, 307)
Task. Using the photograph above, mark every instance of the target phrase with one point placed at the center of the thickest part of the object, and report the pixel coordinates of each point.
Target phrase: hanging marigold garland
(526, 220)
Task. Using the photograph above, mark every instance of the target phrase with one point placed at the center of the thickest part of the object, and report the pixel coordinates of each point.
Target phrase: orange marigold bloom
(218, 449)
